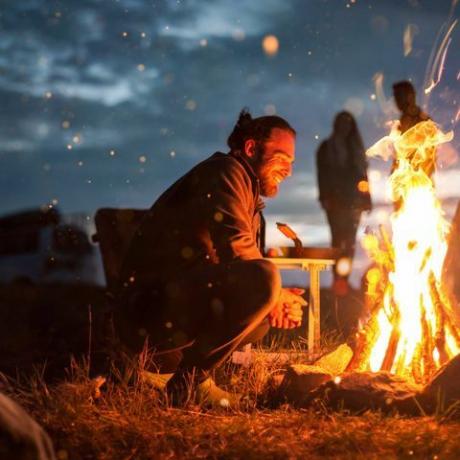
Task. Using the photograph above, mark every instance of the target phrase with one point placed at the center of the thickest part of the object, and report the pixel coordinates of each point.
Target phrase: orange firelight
(411, 331)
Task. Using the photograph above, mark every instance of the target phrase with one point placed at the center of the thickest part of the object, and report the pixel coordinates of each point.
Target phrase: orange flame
(414, 334)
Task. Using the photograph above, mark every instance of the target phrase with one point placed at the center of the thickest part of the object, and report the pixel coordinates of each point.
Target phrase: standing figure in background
(405, 99)
(343, 190)
(411, 114)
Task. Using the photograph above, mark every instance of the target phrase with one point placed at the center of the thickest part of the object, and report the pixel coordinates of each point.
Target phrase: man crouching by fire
(194, 278)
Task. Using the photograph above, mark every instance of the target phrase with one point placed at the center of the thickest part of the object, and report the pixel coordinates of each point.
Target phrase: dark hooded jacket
(338, 184)
(210, 215)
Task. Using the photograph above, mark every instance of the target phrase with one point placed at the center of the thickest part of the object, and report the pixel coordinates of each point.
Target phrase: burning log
(440, 336)
(451, 325)
(364, 340)
(417, 371)
(400, 367)
(379, 251)
(390, 353)
(362, 344)
(444, 322)
(387, 247)
(426, 351)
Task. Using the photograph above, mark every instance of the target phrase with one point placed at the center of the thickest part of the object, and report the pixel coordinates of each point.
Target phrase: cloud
(221, 19)
(124, 82)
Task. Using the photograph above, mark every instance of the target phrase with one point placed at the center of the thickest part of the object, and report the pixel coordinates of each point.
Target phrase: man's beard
(268, 189)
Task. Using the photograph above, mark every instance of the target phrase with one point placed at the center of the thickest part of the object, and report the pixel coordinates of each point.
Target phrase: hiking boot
(180, 388)
(185, 387)
(154, 379)
(209, 394)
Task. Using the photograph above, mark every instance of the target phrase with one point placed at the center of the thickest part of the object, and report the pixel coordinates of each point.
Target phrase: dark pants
(206, 312)
(344, 222)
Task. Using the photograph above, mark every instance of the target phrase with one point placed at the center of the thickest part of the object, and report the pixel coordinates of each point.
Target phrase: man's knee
(258, 333)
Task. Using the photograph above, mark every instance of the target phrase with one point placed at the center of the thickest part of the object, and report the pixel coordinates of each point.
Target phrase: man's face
(274, 161)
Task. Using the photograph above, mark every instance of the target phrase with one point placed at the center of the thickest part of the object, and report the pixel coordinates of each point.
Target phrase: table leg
(314, 312)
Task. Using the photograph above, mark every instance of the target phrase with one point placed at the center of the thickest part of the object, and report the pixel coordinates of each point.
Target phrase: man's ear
(250, 148)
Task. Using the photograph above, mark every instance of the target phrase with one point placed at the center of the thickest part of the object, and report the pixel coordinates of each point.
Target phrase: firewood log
(392, 347)
(442, 311)
(427, 347)
(361, 344)
(416, 364)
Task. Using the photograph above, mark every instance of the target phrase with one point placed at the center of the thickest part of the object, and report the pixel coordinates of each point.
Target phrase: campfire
(411, 329)
(407, 355)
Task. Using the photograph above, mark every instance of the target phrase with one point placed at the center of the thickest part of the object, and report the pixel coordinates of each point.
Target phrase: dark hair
(404, 86)
(354, 141)
(258, 129)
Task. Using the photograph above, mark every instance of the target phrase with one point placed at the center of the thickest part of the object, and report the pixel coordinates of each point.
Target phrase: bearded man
(194, 277)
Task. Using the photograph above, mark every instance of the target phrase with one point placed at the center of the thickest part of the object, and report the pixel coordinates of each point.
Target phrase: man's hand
(287, 313)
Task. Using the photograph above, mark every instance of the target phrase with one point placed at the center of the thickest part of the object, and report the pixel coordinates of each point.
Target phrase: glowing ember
(411, 332)
(270, 44)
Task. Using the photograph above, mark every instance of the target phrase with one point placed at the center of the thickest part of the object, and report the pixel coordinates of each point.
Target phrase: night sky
(107, 102)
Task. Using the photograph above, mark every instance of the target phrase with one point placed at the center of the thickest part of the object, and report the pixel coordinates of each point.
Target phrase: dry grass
(130, 420)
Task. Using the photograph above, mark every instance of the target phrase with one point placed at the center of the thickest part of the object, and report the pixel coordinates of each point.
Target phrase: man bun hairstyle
(258, 129)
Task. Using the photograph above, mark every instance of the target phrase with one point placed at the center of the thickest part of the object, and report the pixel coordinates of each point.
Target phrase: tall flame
(412, 333)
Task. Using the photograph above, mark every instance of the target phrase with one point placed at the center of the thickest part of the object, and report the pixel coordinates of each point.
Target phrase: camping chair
(114, 230)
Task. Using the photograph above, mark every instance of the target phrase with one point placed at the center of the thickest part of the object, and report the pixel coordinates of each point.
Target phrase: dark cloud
(165, 80)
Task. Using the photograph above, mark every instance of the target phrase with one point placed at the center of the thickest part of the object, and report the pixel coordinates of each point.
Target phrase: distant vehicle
(37, 247)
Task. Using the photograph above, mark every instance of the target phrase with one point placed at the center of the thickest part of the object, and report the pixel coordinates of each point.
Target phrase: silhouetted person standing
(343, 189)
(411, 114)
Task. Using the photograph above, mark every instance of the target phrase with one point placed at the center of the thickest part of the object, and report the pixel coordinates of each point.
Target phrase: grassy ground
(128, 419)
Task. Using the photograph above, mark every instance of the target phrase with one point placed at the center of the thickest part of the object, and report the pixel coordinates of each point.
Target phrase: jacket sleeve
(230, 206)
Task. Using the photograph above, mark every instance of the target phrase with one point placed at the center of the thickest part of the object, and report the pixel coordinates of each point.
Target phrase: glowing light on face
(275, 159)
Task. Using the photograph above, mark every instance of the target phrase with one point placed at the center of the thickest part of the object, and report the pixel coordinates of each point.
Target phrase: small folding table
(314, 261)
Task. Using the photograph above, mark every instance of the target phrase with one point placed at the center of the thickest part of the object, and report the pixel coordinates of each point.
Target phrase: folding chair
(115, 229)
